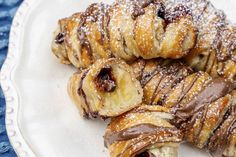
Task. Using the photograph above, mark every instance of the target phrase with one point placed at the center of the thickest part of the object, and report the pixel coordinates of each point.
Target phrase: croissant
(126, 29)
(106, 89)
(203, 107)
(143, 132)
(215, 49)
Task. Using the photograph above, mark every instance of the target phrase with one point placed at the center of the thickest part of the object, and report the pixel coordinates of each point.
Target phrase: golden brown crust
(158, 78)
(58, 44)
(203, 107)
(126, 29)
(215, 45)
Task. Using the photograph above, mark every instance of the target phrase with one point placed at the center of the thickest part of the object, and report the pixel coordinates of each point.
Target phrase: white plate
(41, 120)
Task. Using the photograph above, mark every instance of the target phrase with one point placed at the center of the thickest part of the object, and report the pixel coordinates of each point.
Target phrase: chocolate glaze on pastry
(216, 89)
(215, 49)
(176, 13)
(135, 131)
(203, 107)
(146, 133)
(104, 31)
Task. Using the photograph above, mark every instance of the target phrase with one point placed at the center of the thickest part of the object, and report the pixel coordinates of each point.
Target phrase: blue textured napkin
(7, 12)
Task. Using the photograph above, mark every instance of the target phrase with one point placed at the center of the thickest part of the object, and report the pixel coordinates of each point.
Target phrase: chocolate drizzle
(139, 7)
(87, 113)
(94, 13)
(216, 89)
(184, 92)
(169, 75)
(81, 29)
(105, 80)
(198, 108)
(156, 89)
(136, 131)
(82, 93)
(222, 132)
(168, 81)
(147, 77)
(178, 12)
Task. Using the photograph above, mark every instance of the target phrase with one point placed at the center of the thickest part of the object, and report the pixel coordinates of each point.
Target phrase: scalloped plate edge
(18, 142)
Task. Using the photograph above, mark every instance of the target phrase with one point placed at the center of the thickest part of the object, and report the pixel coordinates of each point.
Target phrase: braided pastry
(106, 89)
(143, 132)
(215, 50)
(126, 29)
(204, 107)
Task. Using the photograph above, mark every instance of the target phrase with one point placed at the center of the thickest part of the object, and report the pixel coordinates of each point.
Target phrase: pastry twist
(126, 29)
(215, 49)
(143, 132)
(106, 89)
(204, 107)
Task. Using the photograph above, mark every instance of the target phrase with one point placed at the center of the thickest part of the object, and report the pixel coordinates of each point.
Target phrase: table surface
(7, 12)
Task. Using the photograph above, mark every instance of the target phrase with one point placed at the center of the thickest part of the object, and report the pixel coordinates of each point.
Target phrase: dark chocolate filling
(145, 154)
(161, 11)
(105, 80)
(139, 7)
(60, 38)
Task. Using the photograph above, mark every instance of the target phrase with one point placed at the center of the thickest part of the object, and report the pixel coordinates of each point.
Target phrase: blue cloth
(7, 12)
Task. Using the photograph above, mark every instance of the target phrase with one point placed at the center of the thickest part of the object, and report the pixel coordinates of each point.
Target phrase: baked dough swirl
(126, 29)
(215, 49)
(143, 132)
(106, 89)
(204, 107)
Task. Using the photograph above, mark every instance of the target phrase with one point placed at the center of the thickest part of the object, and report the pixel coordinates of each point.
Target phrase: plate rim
(16, 138)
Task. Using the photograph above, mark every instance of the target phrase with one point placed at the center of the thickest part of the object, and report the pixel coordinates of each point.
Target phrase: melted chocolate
(138, 11)
(232, 48)
(156, 89)
(161, 11)
(170, 71)
(184, 92)
(139, 7)
(135, 131)
(178, 12)
(145, 154)
(103, 22)
(105, 80)
(217, 88)
(85, 43)
(60, 38)
(90, 15)
(222, 132)
(88, 114)
(95, 13)
(82, 93)
(147, 76)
